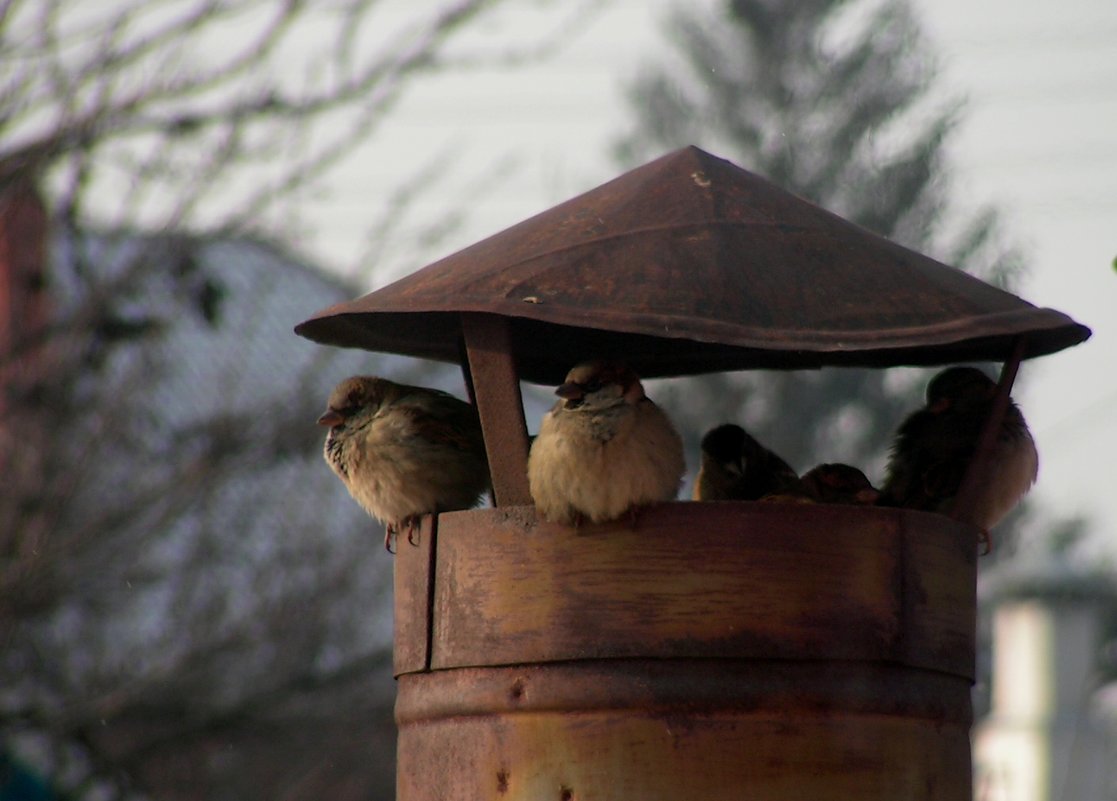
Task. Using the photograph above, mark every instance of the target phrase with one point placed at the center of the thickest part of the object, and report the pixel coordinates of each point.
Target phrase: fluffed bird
(404, 451)
(604, 448)
(934, 446)
(735, 467)
(835, 482)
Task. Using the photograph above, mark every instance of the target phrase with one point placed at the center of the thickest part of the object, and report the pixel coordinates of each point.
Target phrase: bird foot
(389, 532)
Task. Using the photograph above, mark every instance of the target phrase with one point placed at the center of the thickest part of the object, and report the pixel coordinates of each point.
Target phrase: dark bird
(403, 451)
(735, 467)
(934, 446)
(839, 483)
(604, 448)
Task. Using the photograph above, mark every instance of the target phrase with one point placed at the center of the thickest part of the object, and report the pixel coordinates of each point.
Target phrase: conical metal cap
(690, 264)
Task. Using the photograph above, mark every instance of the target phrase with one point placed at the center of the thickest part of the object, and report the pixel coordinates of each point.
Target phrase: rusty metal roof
(690, 264)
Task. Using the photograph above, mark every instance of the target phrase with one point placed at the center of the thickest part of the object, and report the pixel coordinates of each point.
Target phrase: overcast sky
(1039, 139)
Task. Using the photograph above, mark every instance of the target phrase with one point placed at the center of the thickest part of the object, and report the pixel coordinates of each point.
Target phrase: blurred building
(1046, 738)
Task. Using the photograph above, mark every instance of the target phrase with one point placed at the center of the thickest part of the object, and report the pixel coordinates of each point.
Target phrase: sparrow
(934, 446)
(403, 451)
(735, 467)
(604, 448)
(839, 483)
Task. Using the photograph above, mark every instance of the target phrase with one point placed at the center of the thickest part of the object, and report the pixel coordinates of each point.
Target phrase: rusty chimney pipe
(709, 651)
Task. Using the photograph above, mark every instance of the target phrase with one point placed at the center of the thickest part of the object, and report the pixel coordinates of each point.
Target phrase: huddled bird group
(735, 467)
(605, 449)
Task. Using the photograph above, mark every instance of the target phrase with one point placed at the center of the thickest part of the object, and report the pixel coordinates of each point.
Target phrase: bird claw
(414, 527)
(986, 540)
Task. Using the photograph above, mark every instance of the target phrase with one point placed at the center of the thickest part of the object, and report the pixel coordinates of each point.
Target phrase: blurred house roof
(223, 557)
(209, 380)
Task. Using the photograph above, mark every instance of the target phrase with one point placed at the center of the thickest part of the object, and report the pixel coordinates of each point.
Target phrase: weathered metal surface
(705, 580)
(973, 482)
(496, 393)
(414, 582)
(678, 730)
(688, 265)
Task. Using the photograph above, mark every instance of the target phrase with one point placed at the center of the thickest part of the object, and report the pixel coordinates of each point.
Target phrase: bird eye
(351, 409)
(591, 387)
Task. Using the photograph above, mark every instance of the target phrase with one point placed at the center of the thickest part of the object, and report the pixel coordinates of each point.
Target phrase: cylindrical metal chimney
(733, 650)
(703, 651)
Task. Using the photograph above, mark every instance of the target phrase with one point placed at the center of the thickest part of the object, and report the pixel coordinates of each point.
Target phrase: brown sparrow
(603, 449)
(934, 445)
(735, 467)
(839, 483)
(402, 451)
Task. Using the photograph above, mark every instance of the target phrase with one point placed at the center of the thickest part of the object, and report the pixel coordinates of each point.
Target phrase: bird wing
(907, 462)
(444, 420)
(782, 474)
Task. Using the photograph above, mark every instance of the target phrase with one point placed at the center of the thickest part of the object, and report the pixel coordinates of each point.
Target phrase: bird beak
(570, 391)
(331, 418)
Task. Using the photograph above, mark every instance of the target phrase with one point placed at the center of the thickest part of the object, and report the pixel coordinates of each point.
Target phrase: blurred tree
(179, 572)
(190, 604)
(229, 117)
(833, 100)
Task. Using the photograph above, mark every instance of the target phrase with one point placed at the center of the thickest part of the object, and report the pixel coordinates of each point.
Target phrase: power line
(1079, 422)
